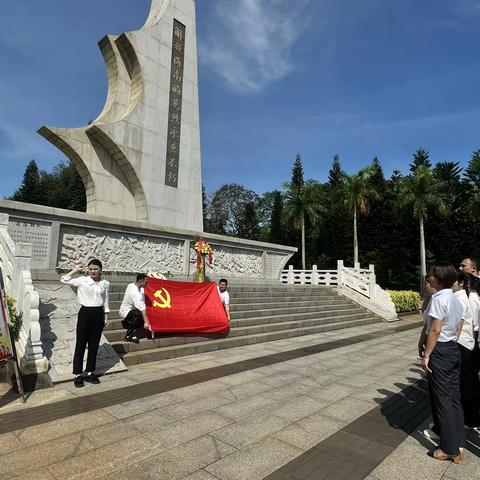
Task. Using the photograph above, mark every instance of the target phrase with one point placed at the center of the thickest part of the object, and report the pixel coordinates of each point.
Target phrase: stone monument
(140, 163)
(140, 159)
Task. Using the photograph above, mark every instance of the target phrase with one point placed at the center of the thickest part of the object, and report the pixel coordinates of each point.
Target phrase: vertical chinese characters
(175, 105)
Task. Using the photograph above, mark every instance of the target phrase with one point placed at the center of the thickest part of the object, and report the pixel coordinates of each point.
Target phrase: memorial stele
(140, 158)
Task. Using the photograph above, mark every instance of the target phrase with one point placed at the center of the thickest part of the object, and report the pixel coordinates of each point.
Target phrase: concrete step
(272, 301)
(259, 316)
(237, 315)
(235, 331)
(259, 291)
(276, 299)
(334, 300)
(191, 348)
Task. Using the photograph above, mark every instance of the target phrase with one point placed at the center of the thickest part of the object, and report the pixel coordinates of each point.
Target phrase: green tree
(62, 188)
(396, 176)
(333, 232)
(335, 174)
(472, 172)
(205, 210)
(421, 192)
(301, 205)
(227, 208)
(276, 227)
(65, 188)
(297, 172)
(248, 222)
(357, 192)
(420, 158)
(377, 177)
(31, 190)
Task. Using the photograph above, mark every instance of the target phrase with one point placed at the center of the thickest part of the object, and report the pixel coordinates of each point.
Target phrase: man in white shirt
(224, 296)
(469, 265)
(133, 310)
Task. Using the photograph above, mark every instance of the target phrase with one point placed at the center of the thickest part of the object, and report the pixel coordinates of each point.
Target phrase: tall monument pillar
(140, 159)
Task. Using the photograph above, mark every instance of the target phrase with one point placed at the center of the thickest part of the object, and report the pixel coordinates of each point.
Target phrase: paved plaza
(347, 404)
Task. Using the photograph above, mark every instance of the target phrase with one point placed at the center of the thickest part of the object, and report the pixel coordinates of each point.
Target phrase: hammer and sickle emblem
(164, 299)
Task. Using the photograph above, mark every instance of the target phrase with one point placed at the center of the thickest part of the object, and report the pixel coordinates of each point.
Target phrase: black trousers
(444, 383)
(133, 321)
(89, 332)
(469, 387)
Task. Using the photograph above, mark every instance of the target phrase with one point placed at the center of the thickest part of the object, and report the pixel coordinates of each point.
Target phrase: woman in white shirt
(442, 360)
(466, 342)
(92, 294)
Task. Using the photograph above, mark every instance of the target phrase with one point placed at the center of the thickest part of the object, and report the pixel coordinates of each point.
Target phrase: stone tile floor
(241, 426)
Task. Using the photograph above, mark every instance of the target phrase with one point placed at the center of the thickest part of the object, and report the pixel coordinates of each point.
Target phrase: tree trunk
(355, 239)
(303, 240)
(423, 263)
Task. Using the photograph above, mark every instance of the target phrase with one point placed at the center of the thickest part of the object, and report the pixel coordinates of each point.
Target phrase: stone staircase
(258, 314)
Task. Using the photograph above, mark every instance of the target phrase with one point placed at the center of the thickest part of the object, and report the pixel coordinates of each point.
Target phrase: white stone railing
(309, 277)
(362, 281)
(359, 279)
(15, 263)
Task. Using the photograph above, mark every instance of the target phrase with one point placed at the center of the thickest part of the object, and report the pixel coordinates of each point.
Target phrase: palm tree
(421, 191)
(357, 191)
(301, 203)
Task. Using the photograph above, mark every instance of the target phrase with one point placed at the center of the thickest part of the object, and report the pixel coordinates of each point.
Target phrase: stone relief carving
(233, 261)
(121, 252)
(275, 263)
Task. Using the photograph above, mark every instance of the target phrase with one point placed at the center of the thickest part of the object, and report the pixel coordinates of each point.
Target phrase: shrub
(405, 300)
(15, 320)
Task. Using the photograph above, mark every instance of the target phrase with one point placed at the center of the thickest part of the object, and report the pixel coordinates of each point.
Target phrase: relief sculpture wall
(233, 261)
(120, 252)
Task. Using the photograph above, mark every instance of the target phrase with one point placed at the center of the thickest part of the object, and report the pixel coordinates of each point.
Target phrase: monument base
(64, 238)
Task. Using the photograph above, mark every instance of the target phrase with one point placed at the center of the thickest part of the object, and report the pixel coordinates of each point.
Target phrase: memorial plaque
(36, 233)
(175, 105)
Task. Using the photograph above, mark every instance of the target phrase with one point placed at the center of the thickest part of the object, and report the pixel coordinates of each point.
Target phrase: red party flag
(184, 307)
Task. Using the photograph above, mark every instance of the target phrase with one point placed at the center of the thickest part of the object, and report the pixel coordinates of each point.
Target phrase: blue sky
(277, 77)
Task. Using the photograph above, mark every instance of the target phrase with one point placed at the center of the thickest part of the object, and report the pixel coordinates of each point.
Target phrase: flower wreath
(203, 248)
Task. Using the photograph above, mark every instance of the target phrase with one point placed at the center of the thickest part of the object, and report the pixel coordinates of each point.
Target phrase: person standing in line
(474, 299)
(432, 431)
(442, 361)
(133, 310)
(92, 294)
(224, 295)
(466, 342)
(469, 265)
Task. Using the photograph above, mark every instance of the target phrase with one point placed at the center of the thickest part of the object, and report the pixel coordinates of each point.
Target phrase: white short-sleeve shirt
(134, 297)
(446, 307)
(475, 308)
(224, 297)
(466, 337)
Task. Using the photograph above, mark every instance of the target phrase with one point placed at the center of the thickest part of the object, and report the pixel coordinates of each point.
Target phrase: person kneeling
(132, 310)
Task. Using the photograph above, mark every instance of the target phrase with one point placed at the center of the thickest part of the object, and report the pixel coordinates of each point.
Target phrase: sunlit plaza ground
(337, 410)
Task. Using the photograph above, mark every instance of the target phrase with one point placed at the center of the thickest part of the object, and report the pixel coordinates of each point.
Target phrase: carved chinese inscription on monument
(36, 233)
(175, 105)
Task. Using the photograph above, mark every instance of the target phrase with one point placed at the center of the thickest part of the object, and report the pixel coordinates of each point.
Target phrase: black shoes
(92, 378)
(132, 338)
(78, 382)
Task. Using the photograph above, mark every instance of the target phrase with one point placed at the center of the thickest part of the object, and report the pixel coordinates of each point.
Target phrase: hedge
(405, 300)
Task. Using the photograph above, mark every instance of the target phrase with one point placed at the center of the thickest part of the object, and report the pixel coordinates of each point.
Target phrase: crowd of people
(92, 295)
(450, 353)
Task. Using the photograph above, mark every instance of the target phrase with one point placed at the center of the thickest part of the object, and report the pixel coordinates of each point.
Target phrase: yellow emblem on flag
(163, 296)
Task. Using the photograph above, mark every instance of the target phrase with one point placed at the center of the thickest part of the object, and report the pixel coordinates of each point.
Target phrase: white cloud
(249, 42)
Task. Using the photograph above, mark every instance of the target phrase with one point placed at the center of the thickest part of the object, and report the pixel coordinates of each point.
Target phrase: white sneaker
(430, 434)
